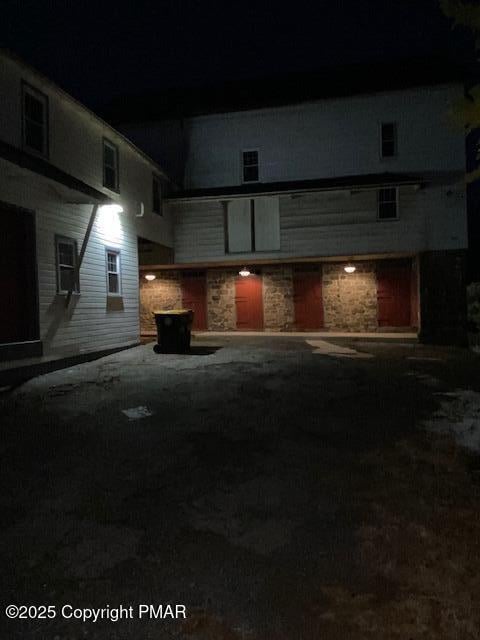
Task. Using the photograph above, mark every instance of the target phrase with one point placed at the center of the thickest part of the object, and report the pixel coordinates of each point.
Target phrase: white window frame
(58, 265)
(157, 183)
(118, 272)
(27, 89)
(397, 200)
(242, 165)
(395, 139)
(115, 167)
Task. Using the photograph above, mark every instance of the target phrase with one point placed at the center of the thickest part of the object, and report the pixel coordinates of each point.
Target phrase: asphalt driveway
(277, 488)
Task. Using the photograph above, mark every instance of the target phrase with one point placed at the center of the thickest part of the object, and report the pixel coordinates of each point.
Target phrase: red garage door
(249, 303)
(394, 294)
(307, 298)
(194, 296)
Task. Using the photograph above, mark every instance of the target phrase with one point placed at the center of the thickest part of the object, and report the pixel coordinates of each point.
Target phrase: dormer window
(34, 120)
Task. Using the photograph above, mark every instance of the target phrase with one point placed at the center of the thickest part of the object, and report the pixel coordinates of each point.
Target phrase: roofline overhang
(222, 264)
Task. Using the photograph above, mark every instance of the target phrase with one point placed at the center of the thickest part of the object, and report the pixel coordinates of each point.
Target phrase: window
(110, 165)
(67, 260)
(113, 272)
(157, 196)
(250, 165)
(387, 203)
(253, 225)
(35, 120)
(389, 139)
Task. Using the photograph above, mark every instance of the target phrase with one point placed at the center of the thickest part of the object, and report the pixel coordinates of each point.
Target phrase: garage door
(394, 282)
(194, 296)
(307, 298)
(249, 303)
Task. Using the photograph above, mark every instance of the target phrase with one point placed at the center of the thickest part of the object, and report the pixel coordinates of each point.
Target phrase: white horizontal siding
(76, 147)
(334, 223)
(86, 325)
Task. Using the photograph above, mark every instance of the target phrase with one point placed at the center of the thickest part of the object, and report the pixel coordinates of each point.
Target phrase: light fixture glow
(244, 272)
(150, 277)
(111, 208)
(350, 268)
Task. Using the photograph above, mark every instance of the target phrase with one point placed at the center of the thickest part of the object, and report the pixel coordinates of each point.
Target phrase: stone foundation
(278, 311)
(350, 299)
(162, 293)
(221, 312)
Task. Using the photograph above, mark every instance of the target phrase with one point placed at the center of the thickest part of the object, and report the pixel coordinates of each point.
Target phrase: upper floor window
(110, 165)
(250, 165)
(35, 120)
(66, 258)
(157, 196)
(387, 201)
(389, 139)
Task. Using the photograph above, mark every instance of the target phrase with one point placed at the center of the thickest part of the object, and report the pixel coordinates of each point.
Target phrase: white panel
(267, 224)
(239, 226)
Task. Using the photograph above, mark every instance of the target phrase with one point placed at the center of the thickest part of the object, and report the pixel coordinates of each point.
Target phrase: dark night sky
(100, 50)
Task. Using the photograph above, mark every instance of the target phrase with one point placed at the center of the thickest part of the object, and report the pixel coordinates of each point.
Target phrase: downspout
(81, 255)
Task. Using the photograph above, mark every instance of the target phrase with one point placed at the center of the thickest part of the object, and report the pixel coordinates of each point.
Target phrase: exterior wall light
(150, 277)
(350, 268)
(111, 208)
(244, 272)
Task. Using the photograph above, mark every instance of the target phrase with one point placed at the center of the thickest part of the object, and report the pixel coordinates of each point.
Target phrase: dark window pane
(250, 157)
(157, 199)
(66, 254)
(67, 279)
(34, 109)
(250, 174)
(388, 148)
(387, 210)
(112, 283)
(387, 195)
(110, 180)
(388, 130)
(34, 136)
(109, 156)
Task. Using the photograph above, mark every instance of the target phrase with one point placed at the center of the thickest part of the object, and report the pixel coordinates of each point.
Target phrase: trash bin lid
(172, 312)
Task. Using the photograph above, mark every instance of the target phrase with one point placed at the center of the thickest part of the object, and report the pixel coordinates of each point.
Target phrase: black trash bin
(173, 330)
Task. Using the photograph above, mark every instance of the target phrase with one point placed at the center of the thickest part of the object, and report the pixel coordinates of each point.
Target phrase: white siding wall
(76, 147)
(87, 325)
(325, 139)
(333, 223)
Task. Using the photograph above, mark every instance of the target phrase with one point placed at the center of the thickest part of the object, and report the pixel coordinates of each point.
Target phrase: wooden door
(18, 310)
(249, 303)
(307, 299)
(394, 294)
(194, 296)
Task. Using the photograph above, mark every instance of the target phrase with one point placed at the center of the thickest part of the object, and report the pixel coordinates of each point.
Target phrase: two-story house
(75, 196)
(345, 211)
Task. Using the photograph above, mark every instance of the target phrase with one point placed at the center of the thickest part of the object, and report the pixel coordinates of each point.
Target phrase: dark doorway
(249, 303)
(18, 282)
(194, 296)
(307, 298)
(394, 285)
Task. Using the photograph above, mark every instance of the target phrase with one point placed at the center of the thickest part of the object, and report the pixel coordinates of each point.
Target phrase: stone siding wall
(278, 311)
(221, 312)
(350, 299)
(162, 293)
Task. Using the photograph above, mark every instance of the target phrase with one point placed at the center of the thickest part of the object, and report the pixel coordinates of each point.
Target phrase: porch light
(244, 272)
(150, 277)
(350, 268)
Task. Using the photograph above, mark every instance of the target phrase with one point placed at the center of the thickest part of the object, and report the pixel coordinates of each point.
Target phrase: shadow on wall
(58, 313)
(473, 314)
